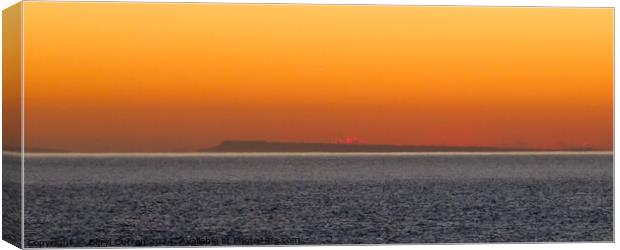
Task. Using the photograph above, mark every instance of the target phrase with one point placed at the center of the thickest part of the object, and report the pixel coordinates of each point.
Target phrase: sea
(101, 200)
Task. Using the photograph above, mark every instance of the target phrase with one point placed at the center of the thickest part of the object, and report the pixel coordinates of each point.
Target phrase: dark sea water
(11, 198)
(234, 199)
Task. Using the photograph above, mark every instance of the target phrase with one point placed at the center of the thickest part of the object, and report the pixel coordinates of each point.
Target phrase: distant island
(266, 146)
(256, 146)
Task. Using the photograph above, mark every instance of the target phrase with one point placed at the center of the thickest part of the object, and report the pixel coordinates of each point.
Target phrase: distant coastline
(240, 146)
(272, 147)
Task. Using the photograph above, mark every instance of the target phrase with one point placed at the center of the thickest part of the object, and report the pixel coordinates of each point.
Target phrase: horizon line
(435, 149)
(198, 154)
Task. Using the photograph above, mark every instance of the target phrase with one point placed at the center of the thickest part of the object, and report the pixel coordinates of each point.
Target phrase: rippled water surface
(212, 199)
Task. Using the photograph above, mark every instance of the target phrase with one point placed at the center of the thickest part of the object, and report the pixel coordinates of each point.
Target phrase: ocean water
(11, 198)
(236, 199)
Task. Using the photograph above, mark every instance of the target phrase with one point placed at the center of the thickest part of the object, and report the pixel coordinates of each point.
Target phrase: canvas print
(201, 124)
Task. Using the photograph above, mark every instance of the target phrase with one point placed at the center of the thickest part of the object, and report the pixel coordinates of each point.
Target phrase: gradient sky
(11, 78)
(136, 77)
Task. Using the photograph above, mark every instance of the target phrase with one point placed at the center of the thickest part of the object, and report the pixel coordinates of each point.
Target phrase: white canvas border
(547, 3)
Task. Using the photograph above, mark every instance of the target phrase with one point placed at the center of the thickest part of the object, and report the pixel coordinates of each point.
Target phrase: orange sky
(135, 77)
(11, 78)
